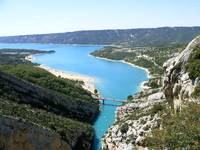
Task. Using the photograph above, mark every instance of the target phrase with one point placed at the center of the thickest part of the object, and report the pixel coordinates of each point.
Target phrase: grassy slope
(179, 131)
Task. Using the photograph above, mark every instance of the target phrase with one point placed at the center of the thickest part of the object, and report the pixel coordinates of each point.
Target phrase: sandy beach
(89, 82)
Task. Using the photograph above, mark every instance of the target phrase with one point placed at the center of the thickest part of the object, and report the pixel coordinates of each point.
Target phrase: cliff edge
(178, 84)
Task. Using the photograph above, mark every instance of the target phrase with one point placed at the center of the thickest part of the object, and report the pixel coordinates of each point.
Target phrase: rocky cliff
(18, 134)
(178, 86)
(136, 119)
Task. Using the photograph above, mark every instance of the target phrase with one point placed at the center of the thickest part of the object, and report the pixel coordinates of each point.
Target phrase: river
(112, 79)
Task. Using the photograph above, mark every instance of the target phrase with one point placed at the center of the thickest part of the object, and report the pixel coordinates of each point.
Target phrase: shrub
(124, 128)
(193, 68)
(196, 93)
(130, 97)
(157, 108)
(193, 65)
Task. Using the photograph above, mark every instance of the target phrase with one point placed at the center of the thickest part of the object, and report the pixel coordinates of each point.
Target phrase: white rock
(156, 96)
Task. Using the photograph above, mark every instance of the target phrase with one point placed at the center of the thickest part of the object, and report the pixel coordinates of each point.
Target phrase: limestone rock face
(137, 128)
(16, 134)
(177, 84)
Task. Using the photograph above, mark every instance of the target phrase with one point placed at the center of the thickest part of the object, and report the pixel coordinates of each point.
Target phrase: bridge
(109, 99)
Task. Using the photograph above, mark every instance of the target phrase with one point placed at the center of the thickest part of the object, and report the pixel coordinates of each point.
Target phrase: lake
(113, 79)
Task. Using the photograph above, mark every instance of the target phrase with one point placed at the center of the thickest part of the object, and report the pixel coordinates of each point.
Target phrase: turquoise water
(113, 79)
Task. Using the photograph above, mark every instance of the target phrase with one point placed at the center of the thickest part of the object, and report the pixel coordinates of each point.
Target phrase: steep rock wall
(178, 86)
(17, 134)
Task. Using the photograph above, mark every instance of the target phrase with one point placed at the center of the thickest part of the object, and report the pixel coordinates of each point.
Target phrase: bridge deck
(111, 99)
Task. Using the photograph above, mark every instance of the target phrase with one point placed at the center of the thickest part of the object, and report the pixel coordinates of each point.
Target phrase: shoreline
(89, 82)
(142, 86)
(125, 62)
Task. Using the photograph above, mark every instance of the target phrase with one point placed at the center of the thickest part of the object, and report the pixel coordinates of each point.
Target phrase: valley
(62, 106)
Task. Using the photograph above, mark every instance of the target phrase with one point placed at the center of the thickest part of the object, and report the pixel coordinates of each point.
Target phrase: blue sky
(50, 16)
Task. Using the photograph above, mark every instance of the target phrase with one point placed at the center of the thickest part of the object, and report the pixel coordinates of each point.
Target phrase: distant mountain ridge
(129, 37)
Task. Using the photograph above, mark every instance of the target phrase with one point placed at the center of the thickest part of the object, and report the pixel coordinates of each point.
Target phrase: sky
(20, 17)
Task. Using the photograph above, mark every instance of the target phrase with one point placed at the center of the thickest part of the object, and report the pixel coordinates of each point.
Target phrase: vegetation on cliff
(70, 130)
(70, 88)
(193, 67)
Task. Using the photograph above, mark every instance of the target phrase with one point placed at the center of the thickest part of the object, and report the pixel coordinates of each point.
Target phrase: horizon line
(109, 29)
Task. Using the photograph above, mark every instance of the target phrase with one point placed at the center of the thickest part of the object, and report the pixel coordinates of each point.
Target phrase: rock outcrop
(133, 123)
(18, 134)
(178, 87)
